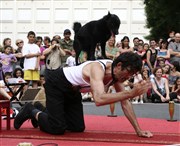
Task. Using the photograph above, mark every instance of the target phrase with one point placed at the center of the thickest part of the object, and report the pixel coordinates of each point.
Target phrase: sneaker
(40, 107)
(135, 102)
(141, 102)
(24, 114)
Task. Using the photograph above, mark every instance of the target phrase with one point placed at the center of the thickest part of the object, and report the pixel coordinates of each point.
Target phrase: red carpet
(106, 129)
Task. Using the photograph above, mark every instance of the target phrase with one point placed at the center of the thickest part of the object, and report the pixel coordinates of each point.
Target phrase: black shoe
(40, 107)
(24, 114)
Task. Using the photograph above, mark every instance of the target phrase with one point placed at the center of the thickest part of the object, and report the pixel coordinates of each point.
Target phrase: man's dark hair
(31, 33)
(129, 60)
(135, 38)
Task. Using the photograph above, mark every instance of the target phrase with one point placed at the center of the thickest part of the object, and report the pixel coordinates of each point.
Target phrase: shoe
(135, 102)
(40, 107)
(24, 114)
(141, 102)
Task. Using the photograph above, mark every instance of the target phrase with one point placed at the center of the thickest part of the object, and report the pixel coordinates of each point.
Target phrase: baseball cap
(67, 31)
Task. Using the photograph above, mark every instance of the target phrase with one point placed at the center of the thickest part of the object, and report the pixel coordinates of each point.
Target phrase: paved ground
(147, 110)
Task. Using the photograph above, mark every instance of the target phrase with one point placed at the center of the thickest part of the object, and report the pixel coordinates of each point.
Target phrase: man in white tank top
(63, 96)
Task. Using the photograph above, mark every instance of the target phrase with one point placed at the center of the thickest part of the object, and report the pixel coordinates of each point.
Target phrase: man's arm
(130, 115)
(99, 93)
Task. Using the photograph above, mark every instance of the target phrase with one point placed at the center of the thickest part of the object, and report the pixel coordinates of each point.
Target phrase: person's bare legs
(4, 93)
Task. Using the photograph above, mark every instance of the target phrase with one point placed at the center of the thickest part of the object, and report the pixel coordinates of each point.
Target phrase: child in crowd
(141, 52)
(4, 91)
(138, 99)
(70, 61)
(176, 89)
(18, 73)
(31, 52)
(7, 59)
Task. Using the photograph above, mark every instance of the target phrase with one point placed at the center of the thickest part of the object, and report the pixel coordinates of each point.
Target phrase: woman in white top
(160, 87)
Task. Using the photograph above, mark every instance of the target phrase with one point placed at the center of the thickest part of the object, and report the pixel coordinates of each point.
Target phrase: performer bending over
(63, 88)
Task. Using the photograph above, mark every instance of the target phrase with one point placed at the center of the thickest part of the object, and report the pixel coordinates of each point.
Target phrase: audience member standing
(135, 42)
(47, 42)
(18, 54)
(31, 52)
(174, 48)
(151, 55)
(7, 42)
(125, 45)
(111, 51)
(66, 44)
(53, 55)
(42, 57)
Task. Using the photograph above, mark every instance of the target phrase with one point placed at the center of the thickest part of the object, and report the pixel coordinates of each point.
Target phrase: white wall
(50, 17)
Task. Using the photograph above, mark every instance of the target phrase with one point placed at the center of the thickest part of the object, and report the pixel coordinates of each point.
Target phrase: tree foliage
(162, 16)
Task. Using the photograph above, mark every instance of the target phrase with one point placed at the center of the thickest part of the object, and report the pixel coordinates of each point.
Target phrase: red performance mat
(106, 129)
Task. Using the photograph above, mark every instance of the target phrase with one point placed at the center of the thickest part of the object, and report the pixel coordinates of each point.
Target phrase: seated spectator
(18, 73)
(174, 74)
(4, 91)
(138, 78)
(176, 89)
(161, 63)
(160, 92)
(145, 76)
(166, 71)
(41, 81)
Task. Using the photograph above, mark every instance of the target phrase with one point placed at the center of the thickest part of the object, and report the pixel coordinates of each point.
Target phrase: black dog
(87, 36)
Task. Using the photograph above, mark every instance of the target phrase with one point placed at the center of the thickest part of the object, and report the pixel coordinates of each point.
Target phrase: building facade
(51, 17)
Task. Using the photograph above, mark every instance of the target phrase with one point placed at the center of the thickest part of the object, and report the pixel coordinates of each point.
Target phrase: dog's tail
(76, 27)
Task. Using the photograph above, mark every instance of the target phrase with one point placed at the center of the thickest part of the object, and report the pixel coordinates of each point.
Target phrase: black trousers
(63, 103)
(157, 98)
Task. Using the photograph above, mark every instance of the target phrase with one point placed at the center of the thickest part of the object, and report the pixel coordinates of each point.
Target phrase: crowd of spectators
(161, 61)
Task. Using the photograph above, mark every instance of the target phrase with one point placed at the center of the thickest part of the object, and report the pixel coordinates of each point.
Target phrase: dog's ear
(109, 14)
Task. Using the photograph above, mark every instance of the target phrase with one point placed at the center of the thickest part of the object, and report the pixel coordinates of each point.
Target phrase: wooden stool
(5, 104)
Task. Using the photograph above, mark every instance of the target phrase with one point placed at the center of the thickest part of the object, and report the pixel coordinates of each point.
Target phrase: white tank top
(74, 74)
